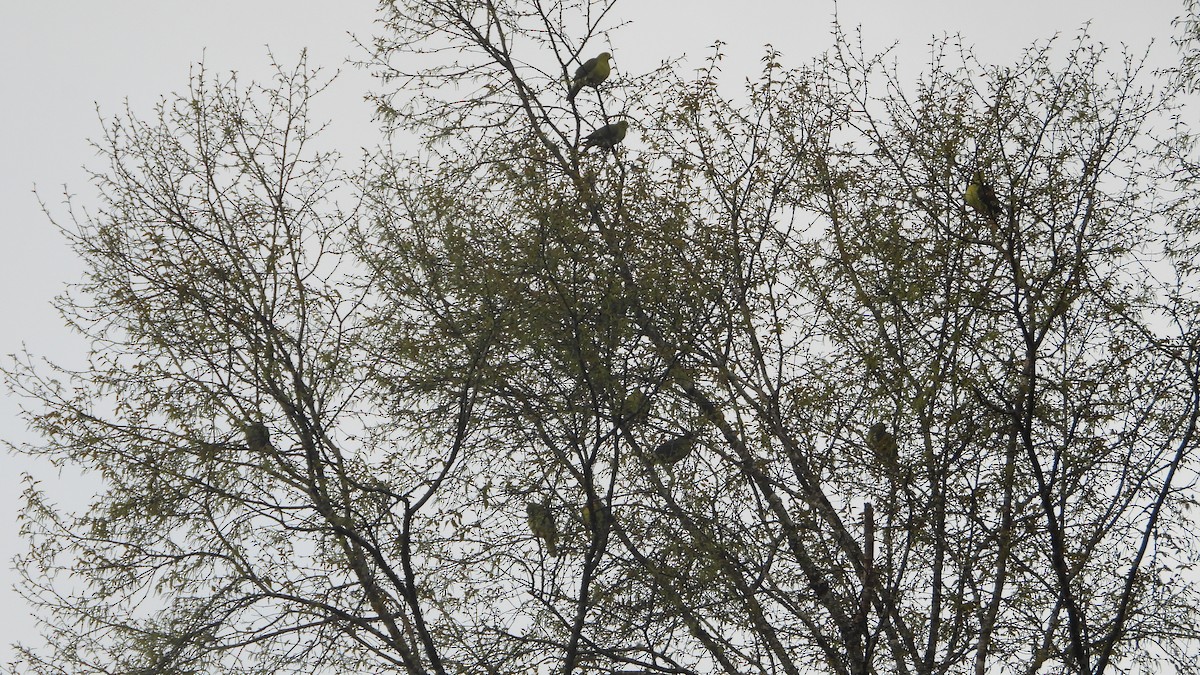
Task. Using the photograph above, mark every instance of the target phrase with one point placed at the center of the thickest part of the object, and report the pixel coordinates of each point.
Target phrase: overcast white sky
(59, 61)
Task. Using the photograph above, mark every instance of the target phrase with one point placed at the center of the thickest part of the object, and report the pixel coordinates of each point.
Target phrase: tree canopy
(758, 389)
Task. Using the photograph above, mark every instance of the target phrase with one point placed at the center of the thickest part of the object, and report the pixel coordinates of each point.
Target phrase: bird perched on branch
(981, 197)
(607, 136)
(673, 449)
(258, 438)
(596, 517)
(590, 74)
(882, 444)
(635, 408)
(541, 523)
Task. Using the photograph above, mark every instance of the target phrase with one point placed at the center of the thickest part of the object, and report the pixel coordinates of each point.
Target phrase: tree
(509, 321)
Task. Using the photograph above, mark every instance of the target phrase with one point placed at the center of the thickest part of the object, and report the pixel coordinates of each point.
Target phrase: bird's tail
(575, 88)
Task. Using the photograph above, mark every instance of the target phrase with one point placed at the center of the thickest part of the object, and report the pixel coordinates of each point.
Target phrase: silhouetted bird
(258, 438)
(607, 136)
(541, 523)
(882, 444)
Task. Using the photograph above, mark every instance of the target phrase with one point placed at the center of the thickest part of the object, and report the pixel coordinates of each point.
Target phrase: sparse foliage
(762, 389)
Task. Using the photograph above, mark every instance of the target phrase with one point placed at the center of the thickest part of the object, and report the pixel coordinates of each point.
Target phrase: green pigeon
(541, 523)
(635, 408)
(607, 136)
(258, 438)
(590, 74)
(597, 520)
(981, 197)
(882, 444)
(674, 449)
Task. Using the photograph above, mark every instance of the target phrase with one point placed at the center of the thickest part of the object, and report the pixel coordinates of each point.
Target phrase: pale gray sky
(60, 60)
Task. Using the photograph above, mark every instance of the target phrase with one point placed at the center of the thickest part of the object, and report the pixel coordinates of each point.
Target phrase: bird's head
(977, 177)
(605, 56)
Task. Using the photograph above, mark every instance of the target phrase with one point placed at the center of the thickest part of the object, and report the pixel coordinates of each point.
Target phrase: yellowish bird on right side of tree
(590, 74)
(982, 197)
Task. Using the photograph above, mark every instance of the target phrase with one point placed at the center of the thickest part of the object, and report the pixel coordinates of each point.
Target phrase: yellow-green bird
(674, 449)
(981, 197)
(883, 444)
(607, 136)
(635, 408)
(541, 523)
(590, 74)
(258, 438)
(596, 517)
